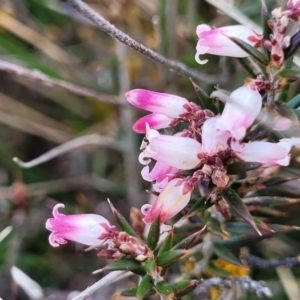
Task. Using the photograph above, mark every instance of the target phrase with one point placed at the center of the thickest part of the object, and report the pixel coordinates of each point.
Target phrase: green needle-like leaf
(164, 287)
(294, 102)
(154, 233)
(236, 203)
(122, 222)
(223, 252)
(183, 287)
(144, 287)
(205, 101)
(241, 167)
(167, 244)
(169, 257)
(253, 52)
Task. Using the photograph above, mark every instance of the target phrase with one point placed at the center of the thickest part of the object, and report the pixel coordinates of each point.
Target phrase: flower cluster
(196, 156)
(200, 153)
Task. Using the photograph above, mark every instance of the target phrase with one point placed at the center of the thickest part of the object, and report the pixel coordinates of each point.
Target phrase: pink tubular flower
(176, 151)
(159, 175)
(214, 41)
(160, 103)
(87, 229)
(269, 154)
(155, 121)
(241, 108)
(213, 139)
(173, 198)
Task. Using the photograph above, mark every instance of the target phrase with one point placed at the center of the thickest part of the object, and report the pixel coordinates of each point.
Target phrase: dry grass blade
(15, 107)
(92, 139)
(34, 128)
(37, 40)
(39, 77)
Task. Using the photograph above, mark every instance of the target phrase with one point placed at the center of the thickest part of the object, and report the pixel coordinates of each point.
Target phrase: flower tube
(269, 154)
(87, 229)
(174, 198)
(176, 151)
(160, 174)
(215, 41)
(160, 103)
(155, 121)
(241, 108)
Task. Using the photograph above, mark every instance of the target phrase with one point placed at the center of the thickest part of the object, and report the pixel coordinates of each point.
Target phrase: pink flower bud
(174, 198)
(87, 229)
(155, 121)
(241, 108)
(176, 151)
(214, 41)
(269, 154)
(165, 104)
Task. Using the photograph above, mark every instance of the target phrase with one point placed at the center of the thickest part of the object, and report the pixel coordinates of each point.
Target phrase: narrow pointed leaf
(122, 222)
(250, 66)
(284, 110)
(260, 131)
(238, 228)
(241, 167)
(224, 253)
(293, 47)
(144, 287)
(150, 267)
(253, 184)
(131, 292)
(164, 287)
(269, 211)
(253, 52)
(200, 205)
(236, 203)
(167, 244)
(265, 17)
(213, 226)
(290, 74)
(183, 287)
(169, 257)
(189, 241)
(294, 102)
(268, 200)
(154, 232)
(205, 101)
(127, 264)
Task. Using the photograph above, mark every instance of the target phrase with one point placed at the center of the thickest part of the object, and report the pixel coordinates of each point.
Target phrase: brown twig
(39, 77)
(117, 34)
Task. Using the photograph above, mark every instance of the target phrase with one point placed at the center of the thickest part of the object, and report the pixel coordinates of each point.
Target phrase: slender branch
(103, 282)
(259, 263)
(117, 34)
(40, 77)
(91, 139)
(246, 283)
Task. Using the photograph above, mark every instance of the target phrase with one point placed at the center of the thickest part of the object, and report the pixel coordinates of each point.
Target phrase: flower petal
(160, 103)
(170, 202)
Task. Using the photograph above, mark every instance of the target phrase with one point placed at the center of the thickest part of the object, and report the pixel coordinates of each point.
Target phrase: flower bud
(214, 41)
(160, 103)
(87, 229)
